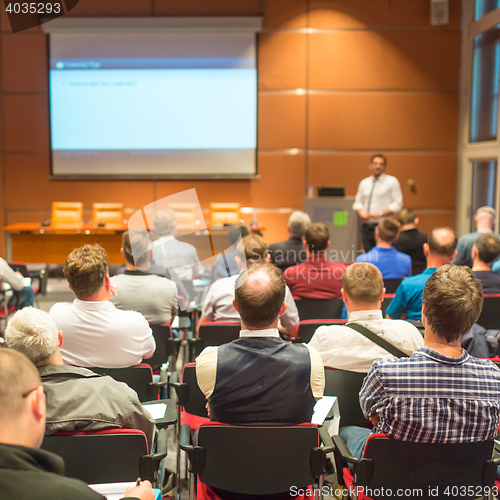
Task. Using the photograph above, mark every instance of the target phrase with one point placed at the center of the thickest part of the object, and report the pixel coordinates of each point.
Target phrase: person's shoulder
(129, 317)
(60, 307)
(291, 272)
(277, 245)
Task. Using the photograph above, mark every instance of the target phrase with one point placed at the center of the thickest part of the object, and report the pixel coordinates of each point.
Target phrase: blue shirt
(392, 264)
(433, 398)
(408, 296)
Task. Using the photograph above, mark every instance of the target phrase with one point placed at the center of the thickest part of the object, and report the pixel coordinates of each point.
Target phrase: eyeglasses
(27, 393)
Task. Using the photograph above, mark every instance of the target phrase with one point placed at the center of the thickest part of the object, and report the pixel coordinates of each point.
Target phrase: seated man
(439, 250)
(317, 277)
(225, 263)
(260, 378)
(285, 254)
(23, 296)
(168, 251)
(96, 332)
(485, 251)
(219, 302)
(77, 399)
(440, 394)
(342, 347)
(25, 471)
(411, 241)
(392, 264)
(155, 297)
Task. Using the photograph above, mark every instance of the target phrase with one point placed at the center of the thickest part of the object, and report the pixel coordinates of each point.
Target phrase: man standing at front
(378, 196)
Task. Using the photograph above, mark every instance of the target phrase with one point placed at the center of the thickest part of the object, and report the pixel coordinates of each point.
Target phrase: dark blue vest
(262, 380)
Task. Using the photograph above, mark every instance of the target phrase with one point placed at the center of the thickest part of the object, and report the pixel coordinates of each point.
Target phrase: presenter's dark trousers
(368, 235)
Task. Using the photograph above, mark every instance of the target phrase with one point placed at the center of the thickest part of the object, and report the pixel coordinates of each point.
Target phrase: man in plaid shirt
(440, 394)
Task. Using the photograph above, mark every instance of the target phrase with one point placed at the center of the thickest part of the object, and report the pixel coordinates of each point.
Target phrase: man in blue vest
(260, 378)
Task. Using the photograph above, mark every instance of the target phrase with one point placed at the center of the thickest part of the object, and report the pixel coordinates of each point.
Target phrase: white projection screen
(139, 101)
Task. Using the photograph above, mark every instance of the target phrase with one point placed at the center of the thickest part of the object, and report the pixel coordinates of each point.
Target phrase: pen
(138, 482)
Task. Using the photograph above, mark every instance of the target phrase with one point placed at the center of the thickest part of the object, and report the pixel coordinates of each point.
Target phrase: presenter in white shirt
(378, 196)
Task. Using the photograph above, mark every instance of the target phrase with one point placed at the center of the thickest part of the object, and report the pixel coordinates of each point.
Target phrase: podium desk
(32, 242)
(336, 213)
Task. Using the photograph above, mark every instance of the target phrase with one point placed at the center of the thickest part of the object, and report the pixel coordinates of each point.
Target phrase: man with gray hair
(168, 251)
(77, 399)
(291, 252)
(485, 222)
(26, 471)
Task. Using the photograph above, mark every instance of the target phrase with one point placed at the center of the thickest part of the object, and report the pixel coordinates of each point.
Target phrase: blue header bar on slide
(153, 63)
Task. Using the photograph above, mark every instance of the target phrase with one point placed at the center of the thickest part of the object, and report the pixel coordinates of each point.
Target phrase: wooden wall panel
(281, 182)
(282, 60)
(204, 8)
(385, 120)
(285, 14)
(366, 14)
(281, 121)
(430, 220)
(24, 62)
(382, 60)
(26, 122)
(333, 169)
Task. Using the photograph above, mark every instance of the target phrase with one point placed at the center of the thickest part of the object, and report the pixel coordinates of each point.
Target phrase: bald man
(260, 378)
(439, 250)
(25, 471)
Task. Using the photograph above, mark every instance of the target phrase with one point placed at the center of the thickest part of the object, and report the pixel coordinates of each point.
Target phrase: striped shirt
(433, 398)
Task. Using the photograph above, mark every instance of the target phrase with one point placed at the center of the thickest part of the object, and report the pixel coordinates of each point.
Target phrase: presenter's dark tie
(370, 197)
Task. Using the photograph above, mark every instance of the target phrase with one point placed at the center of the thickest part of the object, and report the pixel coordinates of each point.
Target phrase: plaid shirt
(433, 398)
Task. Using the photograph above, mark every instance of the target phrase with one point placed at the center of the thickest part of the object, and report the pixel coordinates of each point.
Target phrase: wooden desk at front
(31, 242)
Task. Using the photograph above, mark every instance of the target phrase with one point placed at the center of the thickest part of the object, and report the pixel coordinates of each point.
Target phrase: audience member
(440, 394)
(225, 263)
(77, 399)
(23, 296)
(96, 332)
(485, 221)
(378, 196)
(411, 241)
(219, 302)
(25, 471)
(439, 250)
(155, 297)
(260, 378)
(486, 249)
(285, 254)
(317, 277)
(168, 251)
(392, 264)
(341, 346)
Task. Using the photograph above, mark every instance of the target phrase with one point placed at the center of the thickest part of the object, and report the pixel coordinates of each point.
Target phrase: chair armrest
(161, 446)
(182, 391)
(326, 439)
(185, 438)
(148, 464)
(341, 447)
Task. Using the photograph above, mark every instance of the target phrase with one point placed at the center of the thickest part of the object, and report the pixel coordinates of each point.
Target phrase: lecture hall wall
(338, 81)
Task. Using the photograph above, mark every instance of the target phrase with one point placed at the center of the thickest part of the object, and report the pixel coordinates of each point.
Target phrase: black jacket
(285, 254)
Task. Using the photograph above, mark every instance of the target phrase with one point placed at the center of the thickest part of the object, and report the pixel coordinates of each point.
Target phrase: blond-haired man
(96, 332)
(341, 346)
(218, 304)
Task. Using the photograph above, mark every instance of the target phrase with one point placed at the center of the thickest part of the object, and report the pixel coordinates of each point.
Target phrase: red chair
(457, 470)
(256, 460)
(109, 456)
(41, 275)
(307, 328)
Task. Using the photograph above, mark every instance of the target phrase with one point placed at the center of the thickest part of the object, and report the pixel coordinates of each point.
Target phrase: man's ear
(60, 338)
(416, 221)
(382, 295)
(454, 255)
(474, 253)
(38, 403)
(239, 263)
(234, 303)
(106, 281)
(376, 234)
(283, 308)
(304, 244)
(268, 257)
(426, 249)
(122, 253)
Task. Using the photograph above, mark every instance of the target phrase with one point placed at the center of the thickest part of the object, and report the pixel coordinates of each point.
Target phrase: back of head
(453, 300)
(488, 248)
(236, 231)
(317, 237)
(19, 376)
(85, 269)
(387, 230)
(406, 216)
(252, 249)
(442, 241)
(259, 293)
(164, 222)
(136, 247)
(363, 283)
(485, 216)
(298, 223)
(33, 333)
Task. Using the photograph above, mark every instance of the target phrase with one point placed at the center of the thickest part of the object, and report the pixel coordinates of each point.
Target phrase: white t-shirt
(98, 334)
